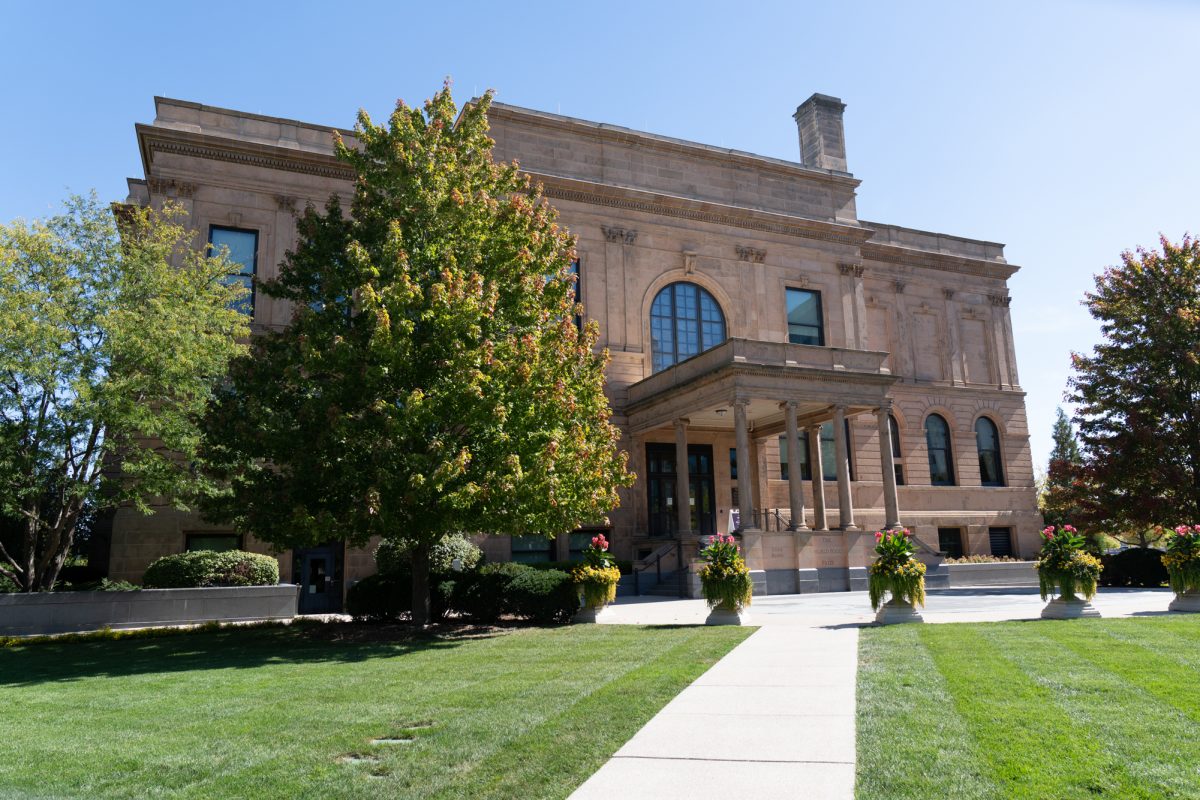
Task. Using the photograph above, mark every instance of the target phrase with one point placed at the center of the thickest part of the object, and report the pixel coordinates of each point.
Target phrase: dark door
(660, 488)
(319, 574)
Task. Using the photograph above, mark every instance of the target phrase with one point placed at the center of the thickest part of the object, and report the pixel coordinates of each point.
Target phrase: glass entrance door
(318, 571)
(660, 488)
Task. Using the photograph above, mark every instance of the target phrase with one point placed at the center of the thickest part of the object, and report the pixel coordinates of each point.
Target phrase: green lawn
(266, 713)
(1055, 710)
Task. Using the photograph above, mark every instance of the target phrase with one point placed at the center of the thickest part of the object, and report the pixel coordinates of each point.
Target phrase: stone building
(799, 374)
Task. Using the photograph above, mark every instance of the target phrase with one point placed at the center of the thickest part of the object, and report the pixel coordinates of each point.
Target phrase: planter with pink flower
(596, 578)
(1182, 561)
(725, 581)
(897, 573)
(1066, 569)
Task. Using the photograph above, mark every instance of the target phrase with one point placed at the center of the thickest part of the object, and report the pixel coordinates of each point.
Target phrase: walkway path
(775, 718)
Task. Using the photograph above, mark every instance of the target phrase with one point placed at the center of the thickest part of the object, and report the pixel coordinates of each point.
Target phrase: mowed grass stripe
(1110, 709)
(912, 743)
(1033, 748)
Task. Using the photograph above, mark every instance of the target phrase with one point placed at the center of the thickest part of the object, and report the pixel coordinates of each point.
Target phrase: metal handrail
(643, 564)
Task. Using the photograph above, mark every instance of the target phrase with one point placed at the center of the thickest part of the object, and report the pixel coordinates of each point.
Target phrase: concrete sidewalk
(773, 719)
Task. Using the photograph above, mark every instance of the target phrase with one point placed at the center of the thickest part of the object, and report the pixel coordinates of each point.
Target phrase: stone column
(745, 485)
(683, 505)
(818, 477)
(841, 450)
(887, 461)
(795, 482)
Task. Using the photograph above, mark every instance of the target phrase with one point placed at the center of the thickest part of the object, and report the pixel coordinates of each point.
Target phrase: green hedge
(381, 597)
(1137, 566)
(201, 568)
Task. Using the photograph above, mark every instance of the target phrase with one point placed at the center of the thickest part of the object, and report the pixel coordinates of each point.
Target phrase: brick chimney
(822, 137)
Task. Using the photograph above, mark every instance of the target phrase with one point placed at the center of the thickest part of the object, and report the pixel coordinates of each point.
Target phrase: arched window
(684, 320)
(987, 442)
(897, 459)
(937, 441)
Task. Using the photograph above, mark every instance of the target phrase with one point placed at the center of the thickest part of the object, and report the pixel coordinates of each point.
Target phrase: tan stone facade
(912, 327)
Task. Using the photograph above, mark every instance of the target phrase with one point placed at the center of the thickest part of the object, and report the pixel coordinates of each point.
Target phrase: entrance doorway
(318, 571)
(660, 487)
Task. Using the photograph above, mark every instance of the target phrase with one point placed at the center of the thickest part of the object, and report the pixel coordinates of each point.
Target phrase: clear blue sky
(1068, 130)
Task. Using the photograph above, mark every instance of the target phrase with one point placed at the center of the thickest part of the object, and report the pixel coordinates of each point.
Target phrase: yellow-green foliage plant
(725, 579)
(1182, 559)
(597, 576)
(896, 570)
(1064, 567)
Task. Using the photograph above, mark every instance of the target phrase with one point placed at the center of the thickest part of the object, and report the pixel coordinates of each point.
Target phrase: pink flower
(878, 537)
(1069, 529)
(1183, 530)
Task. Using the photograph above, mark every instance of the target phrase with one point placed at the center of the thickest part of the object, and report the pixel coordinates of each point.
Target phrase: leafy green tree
(1138, 394)
(1059, 499)
(432, 378)
(110, 344)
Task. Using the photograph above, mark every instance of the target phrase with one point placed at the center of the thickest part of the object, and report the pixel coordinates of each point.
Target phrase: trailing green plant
(1182, 559)
(201, 568)
(896, 570)
(983, 558)
(725, 579)
(1064, 566)
(394, 556)
(597, 575)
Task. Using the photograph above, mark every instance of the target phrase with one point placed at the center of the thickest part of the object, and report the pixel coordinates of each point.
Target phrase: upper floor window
(243, 254)
(684, 320)
(987, 442)
(897, 459)
(804, 317)
(937, 440)
(828, 455)
(578, 280)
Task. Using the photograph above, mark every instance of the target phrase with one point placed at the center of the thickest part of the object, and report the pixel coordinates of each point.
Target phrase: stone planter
(590, 614)
(896, 611)
(1069, 608)
(71, 612)
(1187, 602)
(722, 615)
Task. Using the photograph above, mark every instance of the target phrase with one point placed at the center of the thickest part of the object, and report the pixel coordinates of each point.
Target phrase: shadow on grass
(230, 647)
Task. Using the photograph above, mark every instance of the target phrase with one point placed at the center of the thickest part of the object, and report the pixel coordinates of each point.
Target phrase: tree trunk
(420, 585)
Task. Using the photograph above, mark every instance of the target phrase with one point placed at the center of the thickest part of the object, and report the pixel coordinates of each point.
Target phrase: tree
(1059, 499)
(432, 378)
(1138, 393)
(111, 339)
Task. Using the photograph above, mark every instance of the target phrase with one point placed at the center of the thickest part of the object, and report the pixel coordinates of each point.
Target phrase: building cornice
(153, 139)
(913, 257)
(557, 187)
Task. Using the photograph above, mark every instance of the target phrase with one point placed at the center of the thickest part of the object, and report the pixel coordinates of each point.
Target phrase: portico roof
(763, 375)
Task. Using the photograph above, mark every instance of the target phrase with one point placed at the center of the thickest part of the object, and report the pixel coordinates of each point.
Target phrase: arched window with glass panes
(685, 320)
(987, 442)
(941, 459)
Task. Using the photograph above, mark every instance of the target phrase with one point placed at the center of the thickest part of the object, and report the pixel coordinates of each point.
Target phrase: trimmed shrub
(381, 597)
(483, 595)
(392, 556)
(80, 574)
(1137, 566)
(625, 565)
(543, 596)
(201, 568)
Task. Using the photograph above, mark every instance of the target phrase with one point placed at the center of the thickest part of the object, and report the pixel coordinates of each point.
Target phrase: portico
(756, 390)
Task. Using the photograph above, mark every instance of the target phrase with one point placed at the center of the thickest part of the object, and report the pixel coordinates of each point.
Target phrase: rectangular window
(243, 253)
(217, 542)
(1001, 541)
(532, 549)
(828, 454)
(804, 317)
(582, 540)
(733, 463)
(783, 458)
(578, 291)
(950, 542)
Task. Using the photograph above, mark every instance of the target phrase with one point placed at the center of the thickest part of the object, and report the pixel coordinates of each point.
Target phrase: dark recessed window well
(941, 460)
(950, 542)
(685, 320)
(243, 253)
(987, 442)
(218, 542)
(804, 317)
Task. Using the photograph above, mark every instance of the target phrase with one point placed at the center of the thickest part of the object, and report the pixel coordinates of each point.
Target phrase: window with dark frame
(216, 542)
(685, 320)
(987, 442)
(805, 325)
(941, 460)
(897, 459)
(828, 454)
(243, 251)
(950, 542)
(532, 549)
(578, 280)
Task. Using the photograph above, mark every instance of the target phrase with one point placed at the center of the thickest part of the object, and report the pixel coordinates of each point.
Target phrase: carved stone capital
(689, 262)
(170, 187)
(285, 202)
(618, 235)
(899, 286)
(1000, 300)
(948, 294)
(851, 269)
(750, 254)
